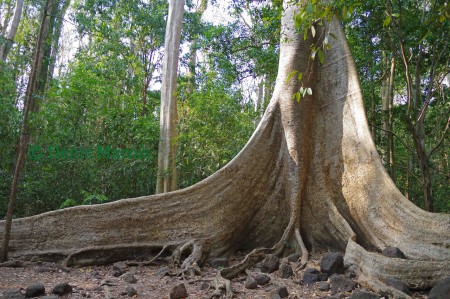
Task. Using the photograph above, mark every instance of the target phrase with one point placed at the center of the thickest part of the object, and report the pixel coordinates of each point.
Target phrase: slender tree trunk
(30, 103)
(59, 15)
(193, 52)
(4, 49)
(167, 172)
(259, 107)
(387, 100)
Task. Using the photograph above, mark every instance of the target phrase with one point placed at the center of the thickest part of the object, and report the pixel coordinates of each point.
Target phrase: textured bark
(167, 171)
(321, 181)
(4, 49)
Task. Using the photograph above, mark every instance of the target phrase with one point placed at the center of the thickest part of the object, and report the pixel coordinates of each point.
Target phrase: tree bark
(4, 49)
(387, 100)
(32, 93)
(320, 185)
(167, 171)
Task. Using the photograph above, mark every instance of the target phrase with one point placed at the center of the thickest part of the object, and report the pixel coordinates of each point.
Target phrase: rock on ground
(270, 263)
(178, 292)
(441, 290)
(35, 290)
(332, 263)
(62, 289)
(341, 283)
(363, 294)
(394, 252)
(286, 270)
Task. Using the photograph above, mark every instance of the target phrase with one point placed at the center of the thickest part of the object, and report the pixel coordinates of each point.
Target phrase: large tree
(309, 177)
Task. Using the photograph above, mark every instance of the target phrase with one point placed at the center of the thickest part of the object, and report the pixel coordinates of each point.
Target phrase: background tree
(167, 169)
(36, 84)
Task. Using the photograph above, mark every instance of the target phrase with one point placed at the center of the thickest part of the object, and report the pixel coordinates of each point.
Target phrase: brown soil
(97, 281)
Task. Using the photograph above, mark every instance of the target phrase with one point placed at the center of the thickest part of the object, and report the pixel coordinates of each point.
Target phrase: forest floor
(158, 280)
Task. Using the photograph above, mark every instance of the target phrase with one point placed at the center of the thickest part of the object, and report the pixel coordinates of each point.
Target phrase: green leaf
(321, 56)
(291, 74)
(387, 21)
(300, 76)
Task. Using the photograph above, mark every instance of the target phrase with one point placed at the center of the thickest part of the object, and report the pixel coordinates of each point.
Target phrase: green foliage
(214, 126)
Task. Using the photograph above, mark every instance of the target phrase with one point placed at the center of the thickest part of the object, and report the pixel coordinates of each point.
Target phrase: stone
(283, 292)
(324, 286)
(332, 263)
(62, 289)
(12, 295)
(120, 266)
(293, 257)
(270, 264)
(218, 262)
(131, 291)
(322, 276)
(394, 252)
(49, 297)
(274, 295)
(441, 289)
(204, 286)
(262, 279)
(118, 273)
(128, 277)
(250, 283)
(162, 271)
(286, 270)
(310, 276)
(341, 283)
(178, 292)
(397, 284)
(35, 290)
(363, 294)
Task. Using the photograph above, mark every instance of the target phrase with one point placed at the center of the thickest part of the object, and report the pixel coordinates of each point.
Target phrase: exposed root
(98, 255)
(259, 253)
(190, 266)
(220, 284)
(374, 268)
(381, 288)
(304, 259)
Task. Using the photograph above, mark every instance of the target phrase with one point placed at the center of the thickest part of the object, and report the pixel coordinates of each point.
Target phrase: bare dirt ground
(152, 282)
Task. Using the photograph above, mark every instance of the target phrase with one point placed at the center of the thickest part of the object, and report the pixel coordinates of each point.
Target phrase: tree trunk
(167, 171)
(4, 49)
(32, 93)
(193, 52)
(320, 183)
(387, 100)
(59, 15)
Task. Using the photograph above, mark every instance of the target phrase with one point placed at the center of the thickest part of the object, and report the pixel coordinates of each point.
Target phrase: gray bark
(387, 103)
(4, 49)
(167, 172)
